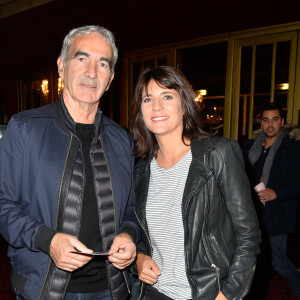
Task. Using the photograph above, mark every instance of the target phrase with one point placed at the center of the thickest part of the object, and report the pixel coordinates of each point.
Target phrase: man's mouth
(88, 85)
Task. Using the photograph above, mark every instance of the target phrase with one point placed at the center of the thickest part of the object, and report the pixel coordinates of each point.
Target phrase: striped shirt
(164, 218)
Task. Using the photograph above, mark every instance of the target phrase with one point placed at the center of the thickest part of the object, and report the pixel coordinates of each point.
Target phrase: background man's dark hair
(272, 106)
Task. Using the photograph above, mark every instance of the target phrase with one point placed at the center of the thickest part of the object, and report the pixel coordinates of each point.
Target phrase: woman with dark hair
(200, 235)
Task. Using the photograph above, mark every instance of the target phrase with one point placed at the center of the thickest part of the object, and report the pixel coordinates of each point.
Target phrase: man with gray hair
(66, 199)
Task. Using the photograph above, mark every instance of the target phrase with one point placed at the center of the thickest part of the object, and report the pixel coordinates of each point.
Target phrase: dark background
(31, 40)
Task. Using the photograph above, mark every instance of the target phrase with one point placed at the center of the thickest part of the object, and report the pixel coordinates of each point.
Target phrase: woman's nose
(157, 105)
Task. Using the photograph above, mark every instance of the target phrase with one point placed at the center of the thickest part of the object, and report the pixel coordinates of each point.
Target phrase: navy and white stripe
(164, 218)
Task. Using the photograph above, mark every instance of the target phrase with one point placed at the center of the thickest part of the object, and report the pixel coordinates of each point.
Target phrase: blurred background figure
(274, 160)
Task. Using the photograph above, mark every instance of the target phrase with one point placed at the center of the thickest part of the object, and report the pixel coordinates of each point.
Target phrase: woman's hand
(221, 297)
(147, 268)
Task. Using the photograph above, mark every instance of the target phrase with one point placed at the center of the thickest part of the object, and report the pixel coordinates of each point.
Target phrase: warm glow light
(200, 94)
(282, 86)
(44, 87)
(60, 86)
(199, 98)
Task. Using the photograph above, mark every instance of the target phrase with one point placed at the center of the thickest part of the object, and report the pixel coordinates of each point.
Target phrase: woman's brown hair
(170, 78)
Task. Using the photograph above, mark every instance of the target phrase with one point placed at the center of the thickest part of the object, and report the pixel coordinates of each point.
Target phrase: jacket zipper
(248, 282)
(58, 204)
(111, 185)
(202, 234)
(128, 288)
(186, 254)
(140, 295)
(219, 249)
(114, 210)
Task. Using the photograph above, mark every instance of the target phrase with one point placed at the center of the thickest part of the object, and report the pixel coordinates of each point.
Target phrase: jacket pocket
(220, 255)
(18, 283)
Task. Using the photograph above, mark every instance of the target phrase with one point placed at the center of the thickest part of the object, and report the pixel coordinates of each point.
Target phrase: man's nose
(91, 70)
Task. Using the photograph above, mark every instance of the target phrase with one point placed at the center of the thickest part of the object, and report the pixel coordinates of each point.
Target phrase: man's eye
(81, 58)
(104, 65)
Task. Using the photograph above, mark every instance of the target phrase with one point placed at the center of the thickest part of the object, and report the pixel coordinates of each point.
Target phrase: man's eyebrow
(81, 53)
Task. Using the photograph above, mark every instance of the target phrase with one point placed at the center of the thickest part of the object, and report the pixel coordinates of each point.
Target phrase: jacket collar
(199, 147)
(66, 122)
(199, 174)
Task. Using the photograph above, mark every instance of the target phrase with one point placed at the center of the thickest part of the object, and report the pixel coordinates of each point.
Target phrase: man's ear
(110, 80)
(282, 122)
(60, 67)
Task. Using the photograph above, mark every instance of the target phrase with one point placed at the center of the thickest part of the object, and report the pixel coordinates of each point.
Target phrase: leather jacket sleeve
(235, 189)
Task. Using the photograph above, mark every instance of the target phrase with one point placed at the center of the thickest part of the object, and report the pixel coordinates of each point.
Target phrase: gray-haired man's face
(87, 71)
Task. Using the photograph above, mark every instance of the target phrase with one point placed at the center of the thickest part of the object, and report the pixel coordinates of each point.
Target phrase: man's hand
(266, 195)
(61, 251)
(221, 297)
(123, 251)
(147, 268)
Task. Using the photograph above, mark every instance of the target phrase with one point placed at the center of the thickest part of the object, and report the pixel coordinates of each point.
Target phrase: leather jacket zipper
(140, 295)
(186, 252)
(248, 282)
(219, 249)
(218, 274)
(202, 233)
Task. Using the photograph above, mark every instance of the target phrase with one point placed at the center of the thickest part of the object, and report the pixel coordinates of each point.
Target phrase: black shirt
(92, 276)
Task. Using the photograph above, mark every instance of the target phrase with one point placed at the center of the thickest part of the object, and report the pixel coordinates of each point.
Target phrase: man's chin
(271, 135)
(89, 99)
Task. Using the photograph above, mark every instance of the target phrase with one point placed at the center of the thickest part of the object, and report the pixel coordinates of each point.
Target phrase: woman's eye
(167, 97)
(147, 100)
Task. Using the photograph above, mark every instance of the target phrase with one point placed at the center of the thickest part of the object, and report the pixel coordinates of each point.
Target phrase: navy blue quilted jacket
(35, 170)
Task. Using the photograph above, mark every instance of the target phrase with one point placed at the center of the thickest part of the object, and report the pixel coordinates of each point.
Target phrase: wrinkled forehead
(90, 43)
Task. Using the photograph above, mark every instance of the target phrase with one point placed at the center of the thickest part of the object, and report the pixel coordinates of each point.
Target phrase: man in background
(66, 184)
(275, 170)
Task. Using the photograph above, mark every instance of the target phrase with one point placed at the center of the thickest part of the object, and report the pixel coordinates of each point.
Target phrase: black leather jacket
(221, 231)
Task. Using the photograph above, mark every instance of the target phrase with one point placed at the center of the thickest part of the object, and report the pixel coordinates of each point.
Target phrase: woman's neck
(171, 151)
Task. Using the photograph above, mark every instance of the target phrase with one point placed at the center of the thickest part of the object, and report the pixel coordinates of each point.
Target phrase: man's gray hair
(84, 30)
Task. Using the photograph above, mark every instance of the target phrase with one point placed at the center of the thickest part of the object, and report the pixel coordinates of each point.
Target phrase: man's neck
(269, 141)
(81, 112)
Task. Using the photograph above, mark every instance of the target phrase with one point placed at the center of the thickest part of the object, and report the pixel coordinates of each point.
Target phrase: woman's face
(162, 110)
